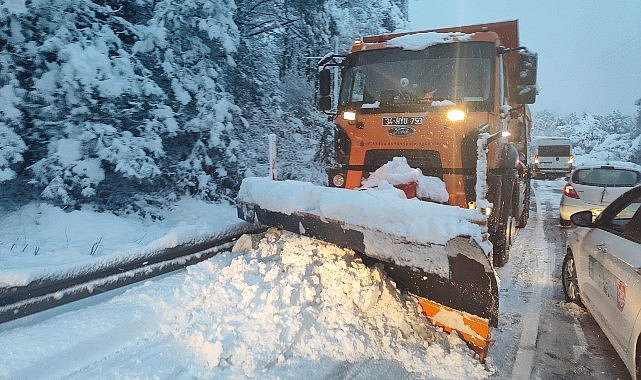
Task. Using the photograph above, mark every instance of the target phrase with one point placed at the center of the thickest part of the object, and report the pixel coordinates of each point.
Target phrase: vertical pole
(272, 157)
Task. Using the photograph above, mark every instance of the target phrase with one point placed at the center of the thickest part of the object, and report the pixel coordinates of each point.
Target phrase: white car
(592, 187)
(602, 271)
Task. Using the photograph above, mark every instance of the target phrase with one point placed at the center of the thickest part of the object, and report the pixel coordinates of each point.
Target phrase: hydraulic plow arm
(451, 277)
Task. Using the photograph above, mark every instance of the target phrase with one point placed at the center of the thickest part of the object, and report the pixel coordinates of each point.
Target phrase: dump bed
(508, 32)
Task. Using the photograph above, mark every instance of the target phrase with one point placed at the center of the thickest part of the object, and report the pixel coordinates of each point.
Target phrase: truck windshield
(458, 72)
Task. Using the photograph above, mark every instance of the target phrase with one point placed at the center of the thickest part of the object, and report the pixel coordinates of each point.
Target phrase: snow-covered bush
(610, 137)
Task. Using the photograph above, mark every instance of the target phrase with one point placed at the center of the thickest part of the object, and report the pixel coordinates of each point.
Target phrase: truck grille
(429, 161)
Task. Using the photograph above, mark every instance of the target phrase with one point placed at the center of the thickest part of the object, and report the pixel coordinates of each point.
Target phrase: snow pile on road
(293, 308)
(295, 299)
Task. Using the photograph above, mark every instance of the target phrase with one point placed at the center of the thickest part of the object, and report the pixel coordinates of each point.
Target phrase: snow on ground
(293, 308)
(289, 308)
(39, 240)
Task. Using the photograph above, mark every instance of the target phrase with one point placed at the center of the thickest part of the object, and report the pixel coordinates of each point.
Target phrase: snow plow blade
(423, 252)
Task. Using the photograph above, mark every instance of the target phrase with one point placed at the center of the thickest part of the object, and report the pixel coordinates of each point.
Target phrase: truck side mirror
(528, 62)
(324, 90)
(325, 85)
(325, 103)
(526, 90)
(526, 94)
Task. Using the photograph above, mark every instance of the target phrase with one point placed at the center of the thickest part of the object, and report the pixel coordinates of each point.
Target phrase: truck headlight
(349, 115)
(455, 115)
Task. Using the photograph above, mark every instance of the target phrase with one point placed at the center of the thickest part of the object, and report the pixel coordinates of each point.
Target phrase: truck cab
(428, 96)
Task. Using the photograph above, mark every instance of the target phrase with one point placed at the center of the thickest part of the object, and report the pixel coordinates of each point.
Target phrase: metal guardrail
(46, 293)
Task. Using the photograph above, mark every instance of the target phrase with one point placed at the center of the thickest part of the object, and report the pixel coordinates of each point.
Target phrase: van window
(554, 150)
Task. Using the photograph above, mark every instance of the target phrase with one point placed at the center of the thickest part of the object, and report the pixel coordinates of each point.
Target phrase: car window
(605, 177)
(632, 230)
(620, 220)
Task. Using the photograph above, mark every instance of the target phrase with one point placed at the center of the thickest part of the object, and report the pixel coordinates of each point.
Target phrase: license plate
(389, 121)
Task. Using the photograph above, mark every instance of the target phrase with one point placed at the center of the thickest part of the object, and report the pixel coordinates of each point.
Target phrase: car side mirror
(582, 218)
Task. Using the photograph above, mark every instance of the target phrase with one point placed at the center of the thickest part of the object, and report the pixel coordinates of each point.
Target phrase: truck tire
(503, 241)
(525, 214)
(500, 252)
(506, 224)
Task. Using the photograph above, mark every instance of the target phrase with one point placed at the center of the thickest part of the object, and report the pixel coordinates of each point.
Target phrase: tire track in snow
(524, 280)
(522, 368)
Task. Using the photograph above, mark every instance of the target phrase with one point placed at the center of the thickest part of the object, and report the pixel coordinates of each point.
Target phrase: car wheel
(564, 222)
(570, 282)
(637, 358)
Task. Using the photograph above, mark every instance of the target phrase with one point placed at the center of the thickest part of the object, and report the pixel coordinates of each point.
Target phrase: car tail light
(569, 191)
(536, 159)
(571, 159)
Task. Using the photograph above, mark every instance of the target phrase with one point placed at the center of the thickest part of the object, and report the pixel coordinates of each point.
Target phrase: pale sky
(589, 52)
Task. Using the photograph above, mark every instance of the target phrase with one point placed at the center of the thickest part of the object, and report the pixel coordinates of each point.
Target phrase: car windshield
(459, 72)
(606, 177)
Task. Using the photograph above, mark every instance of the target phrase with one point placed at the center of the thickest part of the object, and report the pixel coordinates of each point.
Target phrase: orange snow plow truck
(453, 103)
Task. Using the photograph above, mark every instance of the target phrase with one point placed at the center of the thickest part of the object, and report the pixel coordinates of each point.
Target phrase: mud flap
(454, 283)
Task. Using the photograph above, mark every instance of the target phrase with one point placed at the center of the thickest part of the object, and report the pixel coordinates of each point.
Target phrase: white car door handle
(602, 248)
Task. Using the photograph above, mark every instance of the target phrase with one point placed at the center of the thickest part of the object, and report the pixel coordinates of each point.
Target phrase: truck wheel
(500, 255)
(501, 246)
(510, 231)
(525, 214)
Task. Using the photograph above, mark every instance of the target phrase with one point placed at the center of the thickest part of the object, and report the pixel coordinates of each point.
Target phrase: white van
(552, 157)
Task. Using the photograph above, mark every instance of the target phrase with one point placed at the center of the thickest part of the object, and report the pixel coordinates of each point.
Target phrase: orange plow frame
(479, 342)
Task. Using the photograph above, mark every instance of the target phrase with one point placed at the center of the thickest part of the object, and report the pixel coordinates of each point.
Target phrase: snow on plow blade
(437, 253)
